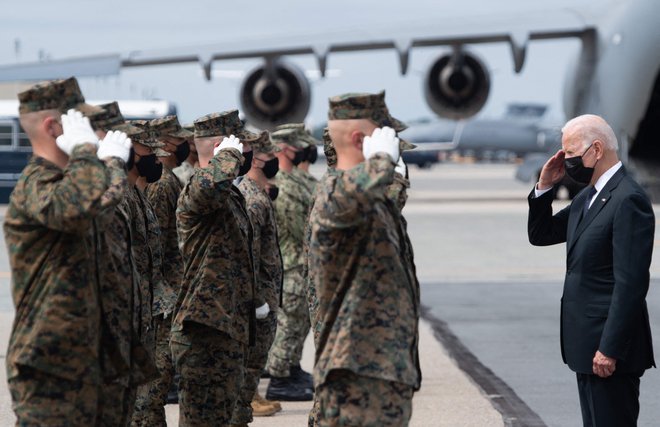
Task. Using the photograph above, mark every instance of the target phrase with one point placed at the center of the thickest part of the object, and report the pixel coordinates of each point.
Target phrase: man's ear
(599, 148)
(52, 127)
(357, 138)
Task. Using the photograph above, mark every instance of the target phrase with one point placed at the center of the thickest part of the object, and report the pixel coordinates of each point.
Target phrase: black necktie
(590, 195)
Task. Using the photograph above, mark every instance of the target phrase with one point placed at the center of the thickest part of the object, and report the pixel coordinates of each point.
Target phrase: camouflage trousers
(292, 326)
(212, 368)
(347, 399)
(44, 400)
(313, 418)
(256, 362)
(116, 404)
(152, 396)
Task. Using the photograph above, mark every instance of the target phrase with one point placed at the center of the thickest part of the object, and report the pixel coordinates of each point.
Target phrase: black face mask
(271, 167)
(273, 192)
(300, 156)
(312, 154)
(148, 168)
(131, 159)
(247, 164)
(182, 152)
(577, 171)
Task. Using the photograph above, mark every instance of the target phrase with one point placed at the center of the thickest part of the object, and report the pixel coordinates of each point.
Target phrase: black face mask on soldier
(312, 154)
(273, 192)
(148, 168)
(271, 167)
(298, 159)
(247, 164)
(182, 152)
(576, 169)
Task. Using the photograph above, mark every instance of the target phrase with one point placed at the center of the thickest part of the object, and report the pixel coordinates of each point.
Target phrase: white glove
(231, 142)
(381, 141)
(77, 130)
(262, 312)
(401, 167)
(115, 144)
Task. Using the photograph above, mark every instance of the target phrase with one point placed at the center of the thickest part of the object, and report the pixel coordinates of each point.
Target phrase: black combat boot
(303, 377)
(288, 389)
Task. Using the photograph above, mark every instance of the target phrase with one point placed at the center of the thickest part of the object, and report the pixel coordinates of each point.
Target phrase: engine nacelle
(457, 85)
(275, 94)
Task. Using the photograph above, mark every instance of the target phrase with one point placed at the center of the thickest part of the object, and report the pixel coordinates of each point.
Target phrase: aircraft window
(6, 134)
(23, 140)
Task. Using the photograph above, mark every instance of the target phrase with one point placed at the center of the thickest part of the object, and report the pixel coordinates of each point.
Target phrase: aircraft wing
(516, 31)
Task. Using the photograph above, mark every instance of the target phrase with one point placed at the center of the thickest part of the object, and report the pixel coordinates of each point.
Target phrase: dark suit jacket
(607, 272)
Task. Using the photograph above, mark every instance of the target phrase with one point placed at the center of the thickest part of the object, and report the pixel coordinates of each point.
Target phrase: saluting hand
(603, 366)
(381, 141)
(76, 130)
(231, 142)
(552, 172)
(115, 144)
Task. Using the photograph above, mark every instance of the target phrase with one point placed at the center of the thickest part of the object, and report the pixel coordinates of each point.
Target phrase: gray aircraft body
(616, 73)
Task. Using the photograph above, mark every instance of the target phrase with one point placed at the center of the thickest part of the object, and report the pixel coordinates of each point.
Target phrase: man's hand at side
(603, 366)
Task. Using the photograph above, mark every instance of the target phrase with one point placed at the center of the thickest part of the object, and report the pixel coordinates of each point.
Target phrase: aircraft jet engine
(273, 94)
(457, 85)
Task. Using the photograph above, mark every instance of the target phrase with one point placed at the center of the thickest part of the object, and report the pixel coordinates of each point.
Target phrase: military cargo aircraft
(616, 73)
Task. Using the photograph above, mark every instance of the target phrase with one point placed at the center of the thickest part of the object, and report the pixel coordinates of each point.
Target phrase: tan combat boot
(264, 408)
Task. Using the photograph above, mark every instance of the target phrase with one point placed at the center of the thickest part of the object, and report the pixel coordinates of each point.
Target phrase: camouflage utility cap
(146, 138)
(112, 119)
(169, 126)
(190, 127)
(264, 144)
(59, 95)
(223, 124)
(363, 106)
(305, 135)
(369, 106)
(291, 135)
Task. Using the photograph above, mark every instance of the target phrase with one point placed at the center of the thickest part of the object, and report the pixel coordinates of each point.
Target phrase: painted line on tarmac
(504, 399)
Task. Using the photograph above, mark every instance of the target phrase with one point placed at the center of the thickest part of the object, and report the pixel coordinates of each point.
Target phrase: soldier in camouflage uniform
(288, 380)
(162, 195)
(118, 278)
(307, 157)
(268, 267)
(362, 273)
(152, 297)
(185, 170)
(54, 356)
(214, 321)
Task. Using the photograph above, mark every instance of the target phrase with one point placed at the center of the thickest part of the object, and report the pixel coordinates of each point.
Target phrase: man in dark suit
(609, 232)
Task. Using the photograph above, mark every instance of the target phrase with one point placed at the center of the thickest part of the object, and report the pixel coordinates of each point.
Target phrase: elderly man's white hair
(590, 127)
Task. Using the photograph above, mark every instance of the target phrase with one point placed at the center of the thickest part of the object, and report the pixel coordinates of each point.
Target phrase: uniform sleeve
(209, 187)
(256, 213)
(632, 241)
(292, 208)
(117, 183)
(397, 191)
(356, 189)
(70, 204)
(158, 194)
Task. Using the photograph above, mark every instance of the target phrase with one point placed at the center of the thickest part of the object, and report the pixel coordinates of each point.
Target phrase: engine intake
(275, 94)
(457, 85)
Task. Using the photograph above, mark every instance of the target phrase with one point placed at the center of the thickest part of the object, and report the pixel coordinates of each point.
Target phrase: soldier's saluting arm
(209, 187)
(354, 190)
(68, 204)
